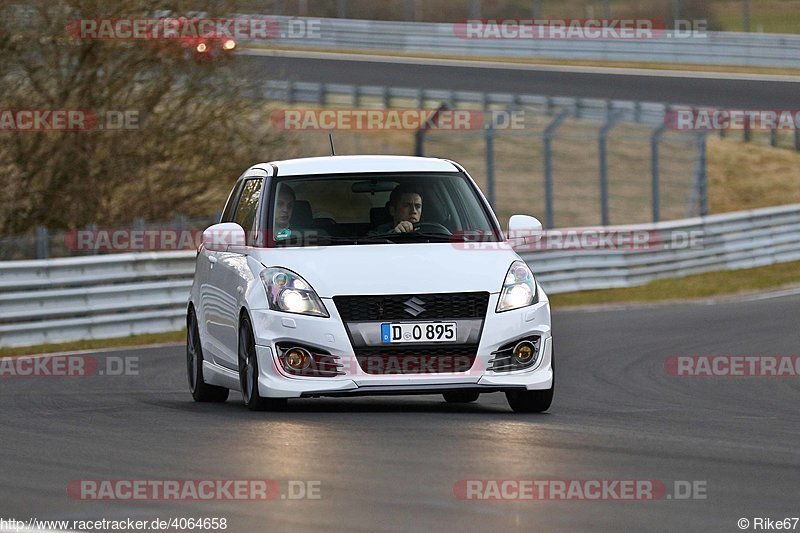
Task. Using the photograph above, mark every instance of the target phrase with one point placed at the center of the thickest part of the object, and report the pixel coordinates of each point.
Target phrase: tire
(201, 391)
(533, 401)
(461, 396)
(248, 373)
(530, 401)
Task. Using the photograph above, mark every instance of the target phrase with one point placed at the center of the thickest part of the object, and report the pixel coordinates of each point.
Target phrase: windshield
(376, 209)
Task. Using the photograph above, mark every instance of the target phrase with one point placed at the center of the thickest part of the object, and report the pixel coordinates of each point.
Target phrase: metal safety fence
(451, 38)
(59, 300)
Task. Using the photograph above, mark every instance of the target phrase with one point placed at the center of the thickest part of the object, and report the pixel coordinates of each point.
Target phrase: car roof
(347, 164)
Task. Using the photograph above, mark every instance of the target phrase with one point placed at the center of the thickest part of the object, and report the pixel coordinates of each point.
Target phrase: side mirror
(522, 228)
(221, 237)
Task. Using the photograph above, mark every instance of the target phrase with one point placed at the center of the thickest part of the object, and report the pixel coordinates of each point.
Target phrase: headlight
(288, 292)
(519, 288)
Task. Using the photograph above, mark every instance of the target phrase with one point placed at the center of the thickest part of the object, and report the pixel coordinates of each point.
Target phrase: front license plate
(418, 332)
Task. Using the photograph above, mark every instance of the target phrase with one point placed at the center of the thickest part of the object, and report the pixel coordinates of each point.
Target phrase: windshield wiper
(376, 239)
(444, 237)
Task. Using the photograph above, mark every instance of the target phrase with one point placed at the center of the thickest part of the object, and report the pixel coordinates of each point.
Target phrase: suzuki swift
(366, 275)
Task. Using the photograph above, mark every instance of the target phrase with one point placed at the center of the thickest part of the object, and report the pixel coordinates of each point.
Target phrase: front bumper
(329, 334)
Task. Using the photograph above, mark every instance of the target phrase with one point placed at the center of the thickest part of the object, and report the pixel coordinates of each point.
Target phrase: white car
(366, 275)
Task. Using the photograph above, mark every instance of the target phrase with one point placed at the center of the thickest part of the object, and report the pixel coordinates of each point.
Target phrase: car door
(232, 275)
(211, 297)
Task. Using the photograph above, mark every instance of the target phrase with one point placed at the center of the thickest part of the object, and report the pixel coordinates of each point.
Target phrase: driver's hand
(404, 227)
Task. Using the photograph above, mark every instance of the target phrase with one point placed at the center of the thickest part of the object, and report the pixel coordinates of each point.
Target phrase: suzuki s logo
(414, 306)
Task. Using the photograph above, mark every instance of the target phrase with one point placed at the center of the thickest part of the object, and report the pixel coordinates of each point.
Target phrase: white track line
(770, 295)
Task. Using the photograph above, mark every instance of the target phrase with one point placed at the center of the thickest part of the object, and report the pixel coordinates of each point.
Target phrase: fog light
(297, 359)
(202, 47)
(230, 44)
(524, 352)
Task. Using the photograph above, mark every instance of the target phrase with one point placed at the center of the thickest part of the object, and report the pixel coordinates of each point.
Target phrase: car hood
(394, 268)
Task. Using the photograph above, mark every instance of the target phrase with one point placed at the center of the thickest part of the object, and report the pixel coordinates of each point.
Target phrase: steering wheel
(432, 227)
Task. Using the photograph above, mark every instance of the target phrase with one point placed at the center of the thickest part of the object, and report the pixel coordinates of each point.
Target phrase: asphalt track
(390, 463)
(720, 90)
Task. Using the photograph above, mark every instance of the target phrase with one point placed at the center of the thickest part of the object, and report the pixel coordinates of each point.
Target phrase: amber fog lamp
(297, 359)
(524, 352)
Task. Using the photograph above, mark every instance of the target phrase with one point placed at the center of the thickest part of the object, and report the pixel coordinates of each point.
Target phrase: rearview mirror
(221, 237)
(373, 186)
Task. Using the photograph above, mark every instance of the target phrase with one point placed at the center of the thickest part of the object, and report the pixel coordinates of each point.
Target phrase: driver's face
(408, 208)
(283, 210)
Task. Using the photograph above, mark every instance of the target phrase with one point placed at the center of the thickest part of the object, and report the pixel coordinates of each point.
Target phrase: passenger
(284, 208)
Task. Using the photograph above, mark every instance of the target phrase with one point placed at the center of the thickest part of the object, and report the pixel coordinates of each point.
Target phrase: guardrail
(59, 300)
(104, 296)
(729, 241)
(707, 48)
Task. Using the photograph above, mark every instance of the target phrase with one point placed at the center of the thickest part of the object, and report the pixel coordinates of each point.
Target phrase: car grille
(429, 359)
(393, 307)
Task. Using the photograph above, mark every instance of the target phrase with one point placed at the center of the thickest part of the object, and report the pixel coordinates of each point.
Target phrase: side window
(245, 214)
(227, 213)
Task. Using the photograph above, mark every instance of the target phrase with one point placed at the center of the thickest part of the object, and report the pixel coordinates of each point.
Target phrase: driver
(405, 206)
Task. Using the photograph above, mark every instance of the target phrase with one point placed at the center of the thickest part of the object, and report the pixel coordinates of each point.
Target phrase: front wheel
(248, 373)
(530, 401)
(533, 401)
(460, 396)
(201, 391)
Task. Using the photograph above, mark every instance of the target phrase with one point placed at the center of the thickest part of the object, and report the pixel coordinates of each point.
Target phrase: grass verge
(91, 344)
(698, 286)
(748, 175)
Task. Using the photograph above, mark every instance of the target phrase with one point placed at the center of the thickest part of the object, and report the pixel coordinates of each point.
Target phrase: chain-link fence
(573, 172)
(569, 161)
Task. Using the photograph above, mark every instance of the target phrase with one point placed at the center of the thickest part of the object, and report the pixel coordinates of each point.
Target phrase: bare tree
(197, 125)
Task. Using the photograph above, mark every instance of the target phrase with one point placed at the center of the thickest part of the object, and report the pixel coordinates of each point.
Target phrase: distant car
(209, 46)
(306, 289)
(203, 47)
